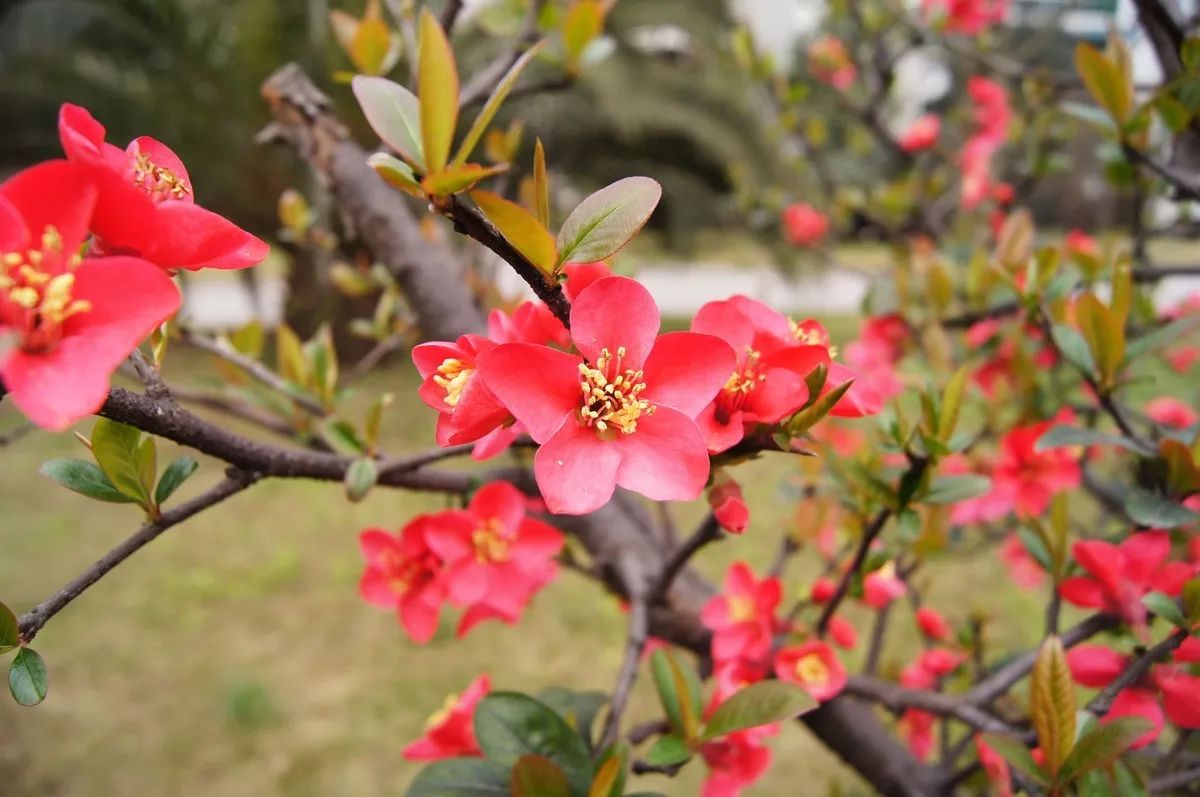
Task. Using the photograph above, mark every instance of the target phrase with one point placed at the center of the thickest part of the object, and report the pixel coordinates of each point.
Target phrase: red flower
(403, 574)
(1182, 358)
(531, 322)
(804, 225)
(933, 625)
(450, 732)
(969, 17)
(146, 206)
(1029, 479)
(830, 63)
(916, 727)
(742, 618)
(734, 762)
(1078, 243)
(882, 586)
(822, 590)
(1180, 695)
(995, 767)
(728, 506)
(633, 424)
(71, 321)
(766, 383)
(1119, 575)
(581, 275)
(842, 633)
(940, 662)
(1170, 411)
(814, 666)
(921, 134)
(1096, 666)
(467, 410)
(495, 556)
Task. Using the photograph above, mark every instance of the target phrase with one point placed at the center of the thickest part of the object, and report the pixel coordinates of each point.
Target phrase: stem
(635, 642)
(707, 532)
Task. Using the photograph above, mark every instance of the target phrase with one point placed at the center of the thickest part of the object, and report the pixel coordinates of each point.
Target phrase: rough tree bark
(620, 537)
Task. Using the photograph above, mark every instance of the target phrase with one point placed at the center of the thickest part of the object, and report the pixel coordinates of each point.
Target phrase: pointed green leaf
(85, 478)
(455, 179)
(116, 448)
(668, 751)
(1161, 336)
(583, 22)
(497, 98)
(437, 90)
(509, 725)
(1101, 745)
(1016, 754)
(1156, 511)
(520, 228)
(610, 772)
(1052, 703)
(394, 114)
(175, 475)
(10, 630)
(1105, 334)
(1165, 607)
(27, 677)
(607, 220)
(541, 185)
(461, 777)
(396, 173)
(1063, 436)
(1104, 81)
(758, 704)
(1073, 347)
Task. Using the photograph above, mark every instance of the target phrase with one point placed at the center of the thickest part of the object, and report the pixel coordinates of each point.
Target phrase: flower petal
(56, 194)
(14, 234)
(665, 459)
(613, 312)
(538, 385)
(188, 236)
(685, 370)
(501, 501)
(576, 471)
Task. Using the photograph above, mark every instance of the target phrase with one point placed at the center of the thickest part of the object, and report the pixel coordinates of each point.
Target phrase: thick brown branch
(898, 698)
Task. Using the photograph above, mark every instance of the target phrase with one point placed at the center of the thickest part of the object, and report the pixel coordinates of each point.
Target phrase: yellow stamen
(811, 670)
(443, 713)
(490, 543)
(612, 402)
(452, 376)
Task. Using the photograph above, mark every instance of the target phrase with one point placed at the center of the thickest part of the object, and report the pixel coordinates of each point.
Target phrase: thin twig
(860, 556)
(156, 388)
(256, 370)
(1169, 783)
(878, 635)
(635, 642)
(708, 531)
(32, 621)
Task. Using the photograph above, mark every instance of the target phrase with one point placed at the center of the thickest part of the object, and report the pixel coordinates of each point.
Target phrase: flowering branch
(1102, 703)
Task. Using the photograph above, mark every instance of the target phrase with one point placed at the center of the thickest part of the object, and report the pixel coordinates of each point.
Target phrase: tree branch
(708, 531)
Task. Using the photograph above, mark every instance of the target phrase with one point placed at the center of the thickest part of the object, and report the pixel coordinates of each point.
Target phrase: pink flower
(466, 409)
(581, 275)
(1170, 411)
(916, 727)
(969, 17)
(734, 762)
(822, 590)
(403, 574)
(933, 624)
(634, 423)
(728, 506)
(995, 767)
(531, 322)
(766, 383)
(804, 225)
(922, 134)
(1023, 569)
(1119, 575)
(742, 618)
(814, 666)
(1029, 479)
(829, 61)
(495, 556)
(1079, 244)
(146, 205)
(842, 633)
(882, 586)
(975, 162)
(1096, 666)
(66, 322)
(992, 111)
(940, 662)
(450, 732)
(1182, 358)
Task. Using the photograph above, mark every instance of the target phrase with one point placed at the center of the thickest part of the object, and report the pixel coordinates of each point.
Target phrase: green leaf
(360, 478)
(541, 185)
(116, 449)
(396, 173)
(1105, 334)
(1162, 336)
(521, 229)
(1052, 703)
(952, 489)
(951, 402)
(393, 112)
(1063, 436)
(456, 179)
(374, 419)
(678, 692)
(509, 725)
(538, 776)
(342, 437)
(1073, 347)
(10, 630)
(610, 772)
(758, 704)
(437, 90)
(497, 98)
(1105, 81)
(1016, 754)
(1100, 746)
(1156, 511)
(85, 478)
(461, 777)
(579, 709)
(27, 677)
(607, 220)
(1165, 607)
(583, 23)
(808, 417)
(147, 464)
(1191, 600)
(668, 751)
(175, 475)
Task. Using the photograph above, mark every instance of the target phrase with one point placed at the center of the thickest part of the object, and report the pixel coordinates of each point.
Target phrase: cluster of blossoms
(830, 62)
(613, 402)
(992, 118)
(488, 559)
(87, 246)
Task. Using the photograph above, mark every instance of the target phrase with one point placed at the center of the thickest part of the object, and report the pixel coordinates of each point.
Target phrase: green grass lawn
(234, 657)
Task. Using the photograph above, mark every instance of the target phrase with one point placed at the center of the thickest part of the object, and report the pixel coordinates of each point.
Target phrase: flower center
(739, 387)
(157, 181)
(452, 376)
(406, 574)
(442, 714)
(741, 609)
(811, 670)
(809, 335)
(491, 545)
(611, 395)
(35, 292)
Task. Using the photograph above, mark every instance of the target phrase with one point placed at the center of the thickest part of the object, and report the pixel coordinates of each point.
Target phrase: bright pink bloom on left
(1170, 411)
(623, 413)
(146, 204)
(921, 134)
(1119, 575)
(450, 732)
(814, 666)
(804, 225)
(403, 574)
(496, 557)
(742, 618)
(71, 320)
(882, 586)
